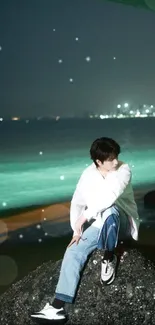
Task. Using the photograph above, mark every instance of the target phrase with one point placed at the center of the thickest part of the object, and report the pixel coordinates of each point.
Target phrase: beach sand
(56, 213)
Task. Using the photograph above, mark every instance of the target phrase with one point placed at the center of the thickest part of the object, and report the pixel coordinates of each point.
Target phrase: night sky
(107, 52)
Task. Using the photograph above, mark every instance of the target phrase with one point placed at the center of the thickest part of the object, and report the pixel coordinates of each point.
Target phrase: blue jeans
(115, 227)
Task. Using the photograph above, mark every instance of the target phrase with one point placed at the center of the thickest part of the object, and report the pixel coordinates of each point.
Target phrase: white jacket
(94, 194)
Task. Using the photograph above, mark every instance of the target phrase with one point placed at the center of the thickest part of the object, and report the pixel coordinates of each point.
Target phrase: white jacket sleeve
(77, 207)
(99, 199)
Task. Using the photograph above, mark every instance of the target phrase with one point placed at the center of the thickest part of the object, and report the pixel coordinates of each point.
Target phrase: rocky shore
(129, 300)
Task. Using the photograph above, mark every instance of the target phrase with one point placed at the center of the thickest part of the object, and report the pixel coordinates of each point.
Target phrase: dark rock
(149, 199)
(129, 300)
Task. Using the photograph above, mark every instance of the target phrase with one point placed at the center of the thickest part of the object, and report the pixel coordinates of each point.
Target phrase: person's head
(104, 152)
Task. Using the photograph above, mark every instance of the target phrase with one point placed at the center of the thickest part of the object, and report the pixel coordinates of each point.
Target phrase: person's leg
(109, 233)
(125, 226)
(108, 241)
(115, 227)
(73, 262)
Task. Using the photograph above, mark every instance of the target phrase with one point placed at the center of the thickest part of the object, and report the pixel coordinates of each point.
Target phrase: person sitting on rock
(104, 198)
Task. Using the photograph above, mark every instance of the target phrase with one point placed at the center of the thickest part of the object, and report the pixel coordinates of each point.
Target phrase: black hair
(103, 149)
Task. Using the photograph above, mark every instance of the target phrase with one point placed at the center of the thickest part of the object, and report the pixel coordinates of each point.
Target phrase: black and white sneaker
(50, 313)
(108, 270)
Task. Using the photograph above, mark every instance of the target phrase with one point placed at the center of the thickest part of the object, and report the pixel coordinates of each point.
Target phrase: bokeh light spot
(8, 270)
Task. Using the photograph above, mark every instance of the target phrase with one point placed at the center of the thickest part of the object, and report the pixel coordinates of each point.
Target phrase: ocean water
(41, 161)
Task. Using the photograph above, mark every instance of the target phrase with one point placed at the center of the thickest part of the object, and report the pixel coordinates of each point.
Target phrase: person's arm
(99, 199)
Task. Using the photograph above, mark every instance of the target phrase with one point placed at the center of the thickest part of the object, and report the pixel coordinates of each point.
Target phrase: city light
(126, 105)
(137, 114)
(15, 118)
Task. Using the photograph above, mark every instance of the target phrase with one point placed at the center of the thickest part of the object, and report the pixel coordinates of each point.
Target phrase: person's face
(109, 164)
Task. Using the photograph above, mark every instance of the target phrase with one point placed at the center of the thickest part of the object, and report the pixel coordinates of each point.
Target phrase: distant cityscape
(125, 110)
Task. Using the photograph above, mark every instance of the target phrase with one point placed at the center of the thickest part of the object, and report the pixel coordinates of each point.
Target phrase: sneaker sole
(47, 318)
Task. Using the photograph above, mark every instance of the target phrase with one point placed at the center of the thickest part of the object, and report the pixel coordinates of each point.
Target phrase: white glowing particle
(4, 204)
(40, 153)
(114, 58)
(54, 29)
(44, 219)
(62, 177)
(76, 38)
(88, 58)
(1, 119)
(71, 79)
(38, 226)
(60, 61)
(0, 48)
(20, 236)
(39, 240)
(46, 234)
(42, 210)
